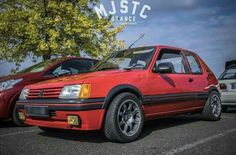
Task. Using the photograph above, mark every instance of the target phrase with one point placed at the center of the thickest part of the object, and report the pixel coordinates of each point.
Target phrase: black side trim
(63, 101)
(67, 108)
(118, 89)
(171, 98)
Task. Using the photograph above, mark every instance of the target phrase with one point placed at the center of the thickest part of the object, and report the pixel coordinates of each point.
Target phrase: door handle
(190, 80)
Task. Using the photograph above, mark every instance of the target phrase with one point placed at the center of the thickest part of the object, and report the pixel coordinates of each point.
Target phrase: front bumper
(90, 113)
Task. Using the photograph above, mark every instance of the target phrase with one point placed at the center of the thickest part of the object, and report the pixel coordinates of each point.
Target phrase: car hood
(81, 78)
(16, 76)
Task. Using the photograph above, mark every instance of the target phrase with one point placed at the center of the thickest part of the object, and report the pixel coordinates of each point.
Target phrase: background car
(227, 82)
(11, 86)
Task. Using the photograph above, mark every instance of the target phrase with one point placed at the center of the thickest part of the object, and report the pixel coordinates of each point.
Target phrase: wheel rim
(216, 105)
(129, 117)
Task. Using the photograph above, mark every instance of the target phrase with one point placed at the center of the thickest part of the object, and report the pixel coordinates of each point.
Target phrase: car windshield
(39, 67)
(137, 58)
(228, 74)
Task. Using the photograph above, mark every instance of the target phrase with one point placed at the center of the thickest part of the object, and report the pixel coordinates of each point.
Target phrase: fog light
(21, 116)
(73, 120)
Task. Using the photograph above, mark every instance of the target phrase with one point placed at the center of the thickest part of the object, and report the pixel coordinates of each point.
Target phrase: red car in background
(11, 86)
(122, 91)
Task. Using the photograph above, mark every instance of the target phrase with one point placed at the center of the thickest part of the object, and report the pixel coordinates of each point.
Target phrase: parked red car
(123, 90)
(11, 86)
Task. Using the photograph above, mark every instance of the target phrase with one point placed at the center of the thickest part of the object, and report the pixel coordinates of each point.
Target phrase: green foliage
(54, 27)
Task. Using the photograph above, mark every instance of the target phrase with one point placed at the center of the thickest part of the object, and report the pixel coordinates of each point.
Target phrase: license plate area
(37, 111)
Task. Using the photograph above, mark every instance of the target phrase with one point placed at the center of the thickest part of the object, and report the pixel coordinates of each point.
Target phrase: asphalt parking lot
(175, 135)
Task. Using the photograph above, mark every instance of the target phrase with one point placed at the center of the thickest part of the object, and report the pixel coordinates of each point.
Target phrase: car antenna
(141, 36)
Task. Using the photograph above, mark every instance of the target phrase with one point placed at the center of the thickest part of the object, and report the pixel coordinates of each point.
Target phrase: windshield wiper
(106, 68)
(128, 68)
(136, 66)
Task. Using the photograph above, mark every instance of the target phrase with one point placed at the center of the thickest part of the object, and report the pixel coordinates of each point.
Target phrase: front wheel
(124, 118)
(213, 107)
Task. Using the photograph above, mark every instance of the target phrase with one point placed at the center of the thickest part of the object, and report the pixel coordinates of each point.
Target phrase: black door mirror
(165, 67)
(62, 72)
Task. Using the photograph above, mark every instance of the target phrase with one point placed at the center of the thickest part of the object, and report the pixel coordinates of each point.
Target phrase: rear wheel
(15, 117)
(124, 119)
(213, 107)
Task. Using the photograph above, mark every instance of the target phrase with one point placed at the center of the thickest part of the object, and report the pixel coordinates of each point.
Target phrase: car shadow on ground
(9, 124)
(168, 122)
(98, 137)
(231, 110)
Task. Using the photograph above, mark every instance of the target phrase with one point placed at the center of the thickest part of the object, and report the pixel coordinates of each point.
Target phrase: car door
(170, 92)
(199, 80)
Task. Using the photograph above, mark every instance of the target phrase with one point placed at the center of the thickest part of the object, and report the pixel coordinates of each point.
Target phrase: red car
(11, 86)
(122, 91)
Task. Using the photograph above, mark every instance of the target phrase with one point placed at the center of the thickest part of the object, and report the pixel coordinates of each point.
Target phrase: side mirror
(165, 67)
(62, 72)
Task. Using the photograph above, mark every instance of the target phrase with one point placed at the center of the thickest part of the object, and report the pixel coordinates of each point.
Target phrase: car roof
(162, 46)
(177, 48)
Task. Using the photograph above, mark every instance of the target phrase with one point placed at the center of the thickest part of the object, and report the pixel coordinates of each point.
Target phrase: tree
(54, 27)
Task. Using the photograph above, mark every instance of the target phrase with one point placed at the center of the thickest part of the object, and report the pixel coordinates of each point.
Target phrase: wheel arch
(120, 89)
(12, 104)
(213, 88)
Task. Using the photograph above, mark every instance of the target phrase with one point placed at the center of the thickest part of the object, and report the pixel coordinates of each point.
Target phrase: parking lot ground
(176, 135)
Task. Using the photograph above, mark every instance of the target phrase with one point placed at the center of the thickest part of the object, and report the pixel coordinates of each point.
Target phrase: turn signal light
(73, 120)
(85, 91)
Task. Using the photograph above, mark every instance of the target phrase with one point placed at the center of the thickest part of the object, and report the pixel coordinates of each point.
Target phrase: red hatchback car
(122, 91)
(11, 86)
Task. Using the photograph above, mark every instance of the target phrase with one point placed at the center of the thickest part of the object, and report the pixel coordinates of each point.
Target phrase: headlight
(9, 84)
(75, 91)
(24, 94)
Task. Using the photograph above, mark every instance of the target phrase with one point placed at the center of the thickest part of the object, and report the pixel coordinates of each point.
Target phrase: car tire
(15, 118)
(212, 109)
(124, 118)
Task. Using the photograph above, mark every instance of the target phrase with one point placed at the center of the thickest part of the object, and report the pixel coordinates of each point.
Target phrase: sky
(206, 27)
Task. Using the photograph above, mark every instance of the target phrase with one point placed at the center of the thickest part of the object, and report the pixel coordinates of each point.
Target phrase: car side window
(193, 63)
(74, 66)
(173, 57)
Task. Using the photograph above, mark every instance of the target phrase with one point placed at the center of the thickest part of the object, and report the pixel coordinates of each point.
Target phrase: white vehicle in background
(227, 82)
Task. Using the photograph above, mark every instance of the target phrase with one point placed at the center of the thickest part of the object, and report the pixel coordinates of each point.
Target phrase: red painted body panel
(90, 120)
(147, 82)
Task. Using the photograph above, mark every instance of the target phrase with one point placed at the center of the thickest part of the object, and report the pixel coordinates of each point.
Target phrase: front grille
(46, 93)
(52, 113)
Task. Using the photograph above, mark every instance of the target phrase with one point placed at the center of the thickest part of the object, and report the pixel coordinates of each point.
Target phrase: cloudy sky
(206, 27)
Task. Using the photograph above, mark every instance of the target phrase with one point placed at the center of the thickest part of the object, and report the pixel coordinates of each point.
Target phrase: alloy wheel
(129, 117)
(216, 105)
